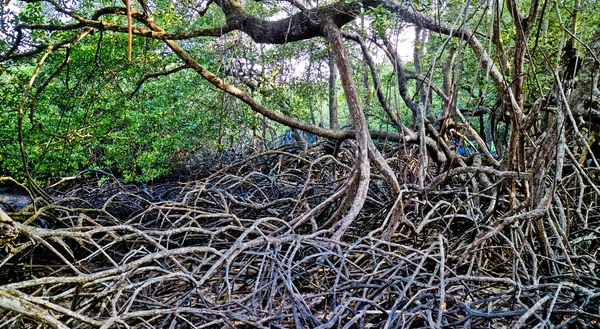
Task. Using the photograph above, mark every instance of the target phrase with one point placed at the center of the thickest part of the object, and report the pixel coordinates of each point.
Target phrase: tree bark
(301, 26)
(448, 83)
(333, 103)
(334, 36)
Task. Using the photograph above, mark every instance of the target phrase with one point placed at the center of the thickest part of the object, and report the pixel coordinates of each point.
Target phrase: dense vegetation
(297, 163)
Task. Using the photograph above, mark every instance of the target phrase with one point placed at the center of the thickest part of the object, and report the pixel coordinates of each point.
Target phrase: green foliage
(382, 20)
(88, 115)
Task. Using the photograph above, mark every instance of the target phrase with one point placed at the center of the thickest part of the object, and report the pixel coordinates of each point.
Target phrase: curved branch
(376, 81)
(20, 306)
(156, 75)
(258, 107)
(334, 36)
(53, 76)
(94, 22)
(301, 26)
(408, 134)
(40, 48)
(410, 15)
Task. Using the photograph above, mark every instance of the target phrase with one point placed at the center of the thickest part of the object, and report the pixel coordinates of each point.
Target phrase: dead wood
(253, 244)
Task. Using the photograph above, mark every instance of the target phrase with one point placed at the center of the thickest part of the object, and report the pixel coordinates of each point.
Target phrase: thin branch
(156, 75)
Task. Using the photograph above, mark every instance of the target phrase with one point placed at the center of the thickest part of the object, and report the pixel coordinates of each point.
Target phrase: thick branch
(301, 26)
(334, 35)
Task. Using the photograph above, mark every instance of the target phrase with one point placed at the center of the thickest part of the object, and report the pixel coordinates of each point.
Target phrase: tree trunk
(334, 36)
(333, 103)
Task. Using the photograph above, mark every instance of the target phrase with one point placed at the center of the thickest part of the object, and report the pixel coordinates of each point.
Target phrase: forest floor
(244, 241)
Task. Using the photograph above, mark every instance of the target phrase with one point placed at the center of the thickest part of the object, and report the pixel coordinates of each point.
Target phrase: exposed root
(251, 245)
